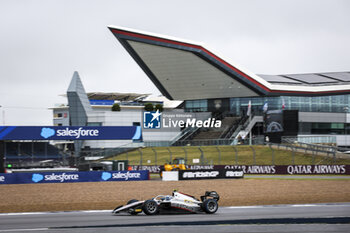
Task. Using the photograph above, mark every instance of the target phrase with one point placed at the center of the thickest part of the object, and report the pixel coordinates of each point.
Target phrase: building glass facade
(335, 128)
(334, 103)
(238, 106)
(196, 106)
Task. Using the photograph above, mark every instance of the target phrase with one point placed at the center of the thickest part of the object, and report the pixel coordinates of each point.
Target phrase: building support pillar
(2, 156)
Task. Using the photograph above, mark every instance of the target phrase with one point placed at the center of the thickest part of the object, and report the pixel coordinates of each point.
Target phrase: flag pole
(249, 113)
(250, 131)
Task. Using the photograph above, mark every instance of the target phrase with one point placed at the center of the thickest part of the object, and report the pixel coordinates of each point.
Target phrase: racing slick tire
(210, 206)
(150, 207)
(132, 211)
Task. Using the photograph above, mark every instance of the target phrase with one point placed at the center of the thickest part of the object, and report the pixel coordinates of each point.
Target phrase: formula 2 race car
(175, 203)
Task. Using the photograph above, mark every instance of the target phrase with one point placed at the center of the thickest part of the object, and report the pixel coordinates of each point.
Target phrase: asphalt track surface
(279, 218)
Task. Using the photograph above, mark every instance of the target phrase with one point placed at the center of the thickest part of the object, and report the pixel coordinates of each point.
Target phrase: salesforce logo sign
(77, 133)
(120, 175)
(37, 177)
(53, 177)
(126, 175)
(152, 120)
(67, 132)
(47, 132)
(106, 176)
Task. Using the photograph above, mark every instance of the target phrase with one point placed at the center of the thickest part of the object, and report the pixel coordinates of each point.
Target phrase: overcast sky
(43, 42)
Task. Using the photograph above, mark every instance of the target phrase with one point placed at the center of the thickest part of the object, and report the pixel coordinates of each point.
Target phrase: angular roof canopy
(314, 79)
(187, 70)
(116, 96)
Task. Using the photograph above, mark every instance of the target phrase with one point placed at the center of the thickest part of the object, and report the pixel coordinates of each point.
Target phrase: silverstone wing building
(206, 82)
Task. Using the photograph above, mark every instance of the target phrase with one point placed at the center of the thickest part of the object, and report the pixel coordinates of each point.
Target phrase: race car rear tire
(210, 206)
(132, 212)
(150, 207)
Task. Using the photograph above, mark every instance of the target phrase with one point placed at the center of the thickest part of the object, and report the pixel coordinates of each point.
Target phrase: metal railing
(220, 152)
(229, 134)
(313, 150)
(107, 152)
(248, 125)
(205, 142)
(186, 134)
(271, 154)
(310, 139)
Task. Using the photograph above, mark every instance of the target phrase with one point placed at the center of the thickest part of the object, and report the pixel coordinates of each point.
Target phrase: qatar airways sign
(291, 169)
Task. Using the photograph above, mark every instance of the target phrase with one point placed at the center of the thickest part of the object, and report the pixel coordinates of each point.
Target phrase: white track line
(58, 212)
(291, 205)
(229, 207)
(24, 213)
(33, 229)
(306, 205)
(245, 207)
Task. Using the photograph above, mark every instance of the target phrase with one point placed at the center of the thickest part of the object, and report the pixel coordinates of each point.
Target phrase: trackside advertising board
(210, 174)
(293, 169)
(72, 177)
(70, 132)
(265, 169)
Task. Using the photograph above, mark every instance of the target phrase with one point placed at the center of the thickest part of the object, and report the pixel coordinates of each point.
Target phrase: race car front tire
(210, 206)
(150, 207)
